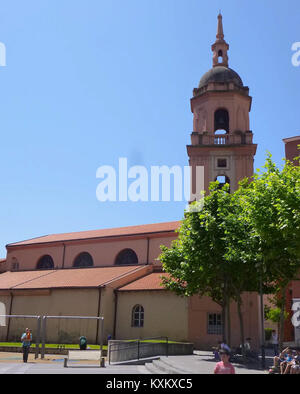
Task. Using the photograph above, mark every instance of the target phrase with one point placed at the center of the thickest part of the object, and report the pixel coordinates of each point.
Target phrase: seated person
(293, 367)
(287, 358)
(281, 358)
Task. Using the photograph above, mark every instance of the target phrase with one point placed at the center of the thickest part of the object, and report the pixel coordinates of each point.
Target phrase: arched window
(45, 263)
(83, 260)
(220, 56)
(127, 257)
(221, 121)
(137, 319)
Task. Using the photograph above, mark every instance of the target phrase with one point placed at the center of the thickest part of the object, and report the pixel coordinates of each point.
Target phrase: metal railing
(42, 329)
(138, 345)
(222, 139)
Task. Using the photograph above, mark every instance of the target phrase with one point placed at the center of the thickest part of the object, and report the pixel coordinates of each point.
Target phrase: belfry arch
(221, 121)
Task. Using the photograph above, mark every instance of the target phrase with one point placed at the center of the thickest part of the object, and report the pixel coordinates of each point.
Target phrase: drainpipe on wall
(148, 244)
(115, 316)
(10, 313)
(98, 314)
(64, 252)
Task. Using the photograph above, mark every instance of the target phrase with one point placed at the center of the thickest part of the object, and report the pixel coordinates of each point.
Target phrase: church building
(114, 273)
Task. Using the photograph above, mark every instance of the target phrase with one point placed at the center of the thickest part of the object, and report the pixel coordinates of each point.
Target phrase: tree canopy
(231, 242)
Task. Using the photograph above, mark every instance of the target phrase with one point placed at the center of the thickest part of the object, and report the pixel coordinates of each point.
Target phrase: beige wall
(165, 315)
(108, 310)
(104, 253)
(63, 302)
(182, 319)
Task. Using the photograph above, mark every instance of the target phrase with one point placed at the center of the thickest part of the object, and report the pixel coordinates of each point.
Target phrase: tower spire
(220, 33)
(220, 47)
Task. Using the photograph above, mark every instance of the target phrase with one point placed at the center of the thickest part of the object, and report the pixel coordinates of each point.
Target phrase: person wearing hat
(26, 339)
(224, 367)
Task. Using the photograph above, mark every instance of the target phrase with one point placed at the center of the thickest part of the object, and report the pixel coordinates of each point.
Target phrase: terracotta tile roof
(104, 233)
(63, 278)
(9, 280)
(148, 282)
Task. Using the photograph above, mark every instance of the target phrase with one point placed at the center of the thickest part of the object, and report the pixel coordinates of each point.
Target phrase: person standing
(26, 339)
(224, 367)
(274, 341)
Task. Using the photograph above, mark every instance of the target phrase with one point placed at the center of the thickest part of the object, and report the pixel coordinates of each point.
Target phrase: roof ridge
(94, 234)
(38, 277)
(134, 280)
(160, 273)
(29, 239)
(126, 273)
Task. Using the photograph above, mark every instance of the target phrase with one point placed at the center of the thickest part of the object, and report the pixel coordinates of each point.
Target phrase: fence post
(102, 336)
(138, 349)
(167, 348)
(38, 334)
(44, 322)
(109, 346)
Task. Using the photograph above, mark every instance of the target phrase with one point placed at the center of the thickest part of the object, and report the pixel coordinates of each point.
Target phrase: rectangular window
(214, 325)
(222, 163)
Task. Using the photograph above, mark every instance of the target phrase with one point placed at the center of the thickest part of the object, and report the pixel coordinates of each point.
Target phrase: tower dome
(221, 74)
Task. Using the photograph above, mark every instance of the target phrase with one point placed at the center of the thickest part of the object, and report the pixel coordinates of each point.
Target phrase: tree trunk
(226, 314)
(239, 310)
(282, 317)
(224, 322)
(228, 322)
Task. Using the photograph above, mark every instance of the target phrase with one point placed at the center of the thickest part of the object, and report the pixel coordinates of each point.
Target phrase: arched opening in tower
(221, 121)
(220, 56)
(223, 179)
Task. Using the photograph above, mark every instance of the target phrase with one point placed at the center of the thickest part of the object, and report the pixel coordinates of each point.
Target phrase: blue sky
(87, 82)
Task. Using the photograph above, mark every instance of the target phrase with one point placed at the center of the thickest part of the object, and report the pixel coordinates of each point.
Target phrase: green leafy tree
(271, 205)
(239, 242)
(212, 255)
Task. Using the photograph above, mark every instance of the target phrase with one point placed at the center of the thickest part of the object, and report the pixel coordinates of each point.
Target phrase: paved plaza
(200, 362)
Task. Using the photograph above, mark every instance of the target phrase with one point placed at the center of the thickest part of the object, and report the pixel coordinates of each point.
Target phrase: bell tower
(221, 141)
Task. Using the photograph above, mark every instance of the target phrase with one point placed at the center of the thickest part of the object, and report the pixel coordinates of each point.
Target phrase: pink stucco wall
(103, 252)
(199, 308)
